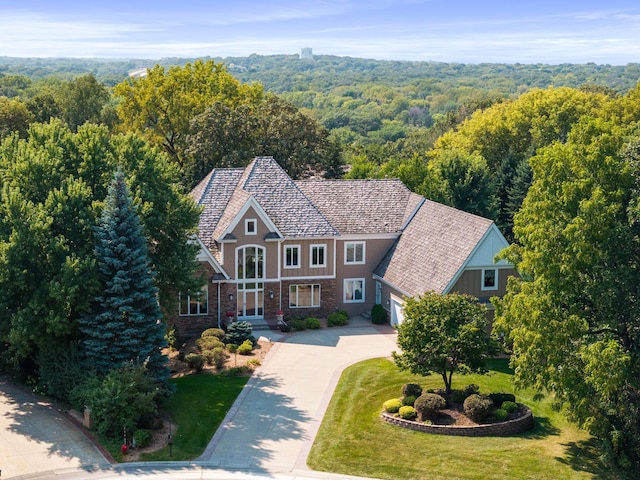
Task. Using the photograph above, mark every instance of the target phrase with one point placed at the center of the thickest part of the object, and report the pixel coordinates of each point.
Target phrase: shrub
(459, 396)
(246, 348)
(213, 332)
(499, 398)
(298, 325)
(253, 363)
(121, 399)
(59, 370)
(172, 337)
(232, 348)
(428, 405)
(216, 357)
(500, 415)
(410, 400)
(195, 361)
(378, 315)
(208, 343)
(312, 323)
(238, 332)
(477, 407)
(392, 406)
(337, 319)
(407, 413)
(142, 437)
(411, 389)
(509, 406)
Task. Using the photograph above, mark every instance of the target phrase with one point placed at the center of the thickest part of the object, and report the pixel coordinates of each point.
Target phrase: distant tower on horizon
(306, 52)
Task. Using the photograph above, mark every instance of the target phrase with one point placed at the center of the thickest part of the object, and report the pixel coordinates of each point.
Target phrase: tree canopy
(573, 315)
(54, 184)
(443, 334)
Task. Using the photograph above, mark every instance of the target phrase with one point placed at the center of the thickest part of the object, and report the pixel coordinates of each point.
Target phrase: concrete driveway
(35, 437)
(272, 425)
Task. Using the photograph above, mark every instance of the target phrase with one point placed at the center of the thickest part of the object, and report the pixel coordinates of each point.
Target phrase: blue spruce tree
(124, 326)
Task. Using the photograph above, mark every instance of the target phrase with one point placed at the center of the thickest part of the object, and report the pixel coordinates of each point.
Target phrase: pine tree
(124, 325)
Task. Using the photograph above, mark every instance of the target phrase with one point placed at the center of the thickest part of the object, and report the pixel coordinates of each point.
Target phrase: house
(309, 247)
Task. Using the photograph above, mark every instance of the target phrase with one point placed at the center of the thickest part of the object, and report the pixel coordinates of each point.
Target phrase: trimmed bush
(312, 323)
(459, 396)
(411, 389)
(213, 332)
(509, 406)
(499, 398)
(142, 437)
(298, 325)
(238, 332)
(500, 415)
(477, 407)
(428, 405)
(246, 348)
(378, 315)
(208, 343)
(195, 361)
(216, 357)
(410, 400)
(392, 406)
(337, 319)
(407, 413)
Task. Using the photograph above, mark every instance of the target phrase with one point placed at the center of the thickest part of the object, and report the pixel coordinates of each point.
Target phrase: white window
(301, 296)
(490, 279)
(194, 304)
(292, 256)
(251, 226)
(353, 252)
(318, 254)
(354, 290)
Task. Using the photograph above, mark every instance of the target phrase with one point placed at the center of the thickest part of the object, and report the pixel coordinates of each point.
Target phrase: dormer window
(251, 226)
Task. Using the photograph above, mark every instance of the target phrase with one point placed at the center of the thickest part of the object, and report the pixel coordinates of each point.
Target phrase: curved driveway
(35, 437)
(270, 429)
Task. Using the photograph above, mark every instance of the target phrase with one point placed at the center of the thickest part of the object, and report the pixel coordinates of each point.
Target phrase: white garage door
(397, 315)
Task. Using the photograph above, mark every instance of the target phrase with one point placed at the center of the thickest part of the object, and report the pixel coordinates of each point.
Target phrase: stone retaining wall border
(500, 429)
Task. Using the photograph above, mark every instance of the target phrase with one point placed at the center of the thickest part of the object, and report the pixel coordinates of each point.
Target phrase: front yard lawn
(353, 440)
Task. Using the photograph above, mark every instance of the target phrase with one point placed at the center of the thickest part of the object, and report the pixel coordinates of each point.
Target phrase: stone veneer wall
(500, 429)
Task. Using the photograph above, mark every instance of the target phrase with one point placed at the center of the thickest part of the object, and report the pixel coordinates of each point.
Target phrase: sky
(534, 31)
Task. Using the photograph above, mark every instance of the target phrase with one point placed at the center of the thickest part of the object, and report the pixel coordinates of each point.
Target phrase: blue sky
(441, 30)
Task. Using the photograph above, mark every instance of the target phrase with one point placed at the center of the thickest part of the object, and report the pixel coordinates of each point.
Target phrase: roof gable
(432, 249)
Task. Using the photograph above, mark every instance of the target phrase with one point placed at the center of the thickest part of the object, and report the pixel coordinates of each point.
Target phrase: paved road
(35, 437)
(269, 431)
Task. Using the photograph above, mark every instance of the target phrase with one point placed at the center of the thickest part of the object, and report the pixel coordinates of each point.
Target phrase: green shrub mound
(195, 361)
(428, 405)
(208, 343)
(407, 413)
(246, 348)
(459, 396)
(337, 319)
(298, 325)
(410, 400)
(411, 389)
(500, 415)
(499, 398)
(392, 406)
(378, 315)
(216, 357)
(312, 323)
(213, 332)
(477, 407)
(509, 406)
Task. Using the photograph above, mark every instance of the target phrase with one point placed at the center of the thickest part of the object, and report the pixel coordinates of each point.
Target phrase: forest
(550, 152)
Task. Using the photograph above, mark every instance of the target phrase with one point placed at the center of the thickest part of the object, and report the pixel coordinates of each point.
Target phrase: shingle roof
(362, 206)
(432, 248)
(224, 192)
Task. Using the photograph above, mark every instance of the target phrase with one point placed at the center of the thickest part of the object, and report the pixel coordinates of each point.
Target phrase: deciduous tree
(443, 334)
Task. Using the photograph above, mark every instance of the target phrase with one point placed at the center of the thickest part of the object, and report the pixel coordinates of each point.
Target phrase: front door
(250, 274)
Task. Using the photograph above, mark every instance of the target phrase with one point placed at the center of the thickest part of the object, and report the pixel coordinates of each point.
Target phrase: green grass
(198, 407)
(353, 440)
